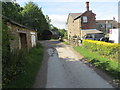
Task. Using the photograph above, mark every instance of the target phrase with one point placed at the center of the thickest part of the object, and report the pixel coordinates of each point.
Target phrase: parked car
(90, 37)
(106, 39)
(93, 36)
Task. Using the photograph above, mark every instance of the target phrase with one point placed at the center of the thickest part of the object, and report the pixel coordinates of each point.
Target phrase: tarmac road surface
(65, 70)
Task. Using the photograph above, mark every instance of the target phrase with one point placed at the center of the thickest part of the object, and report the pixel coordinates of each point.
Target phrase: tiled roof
(114, 22)
(104, 21)
(15, 23)
(75, 15)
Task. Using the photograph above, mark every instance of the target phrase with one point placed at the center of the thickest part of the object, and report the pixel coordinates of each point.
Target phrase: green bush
(21, 69)
(13, 67)
(109, 50)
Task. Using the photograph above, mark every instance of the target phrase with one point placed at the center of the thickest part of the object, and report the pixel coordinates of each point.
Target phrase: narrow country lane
(65, 70)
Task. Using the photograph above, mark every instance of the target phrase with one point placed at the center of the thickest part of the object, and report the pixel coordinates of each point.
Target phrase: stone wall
(73, 27)
(77, 25)
(70, 26)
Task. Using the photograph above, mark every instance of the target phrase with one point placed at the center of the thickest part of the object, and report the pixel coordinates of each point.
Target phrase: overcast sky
(58, 10)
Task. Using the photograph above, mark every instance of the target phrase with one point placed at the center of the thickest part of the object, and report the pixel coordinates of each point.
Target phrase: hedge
(110, 50)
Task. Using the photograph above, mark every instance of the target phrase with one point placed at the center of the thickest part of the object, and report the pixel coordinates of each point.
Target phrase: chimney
(113, 18)
(87, 6)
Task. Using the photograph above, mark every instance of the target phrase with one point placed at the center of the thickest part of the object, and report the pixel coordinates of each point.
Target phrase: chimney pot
(114, 18)
(87, 5)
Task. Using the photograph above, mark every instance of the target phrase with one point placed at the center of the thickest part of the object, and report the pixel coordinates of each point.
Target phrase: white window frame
(85, 19)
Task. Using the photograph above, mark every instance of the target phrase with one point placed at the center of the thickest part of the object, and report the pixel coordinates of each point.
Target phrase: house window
(102, 26)
(85, 19)
(109, 25)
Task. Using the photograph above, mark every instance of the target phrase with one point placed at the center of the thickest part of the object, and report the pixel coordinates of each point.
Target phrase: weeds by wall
(21, 69)
(13, 66)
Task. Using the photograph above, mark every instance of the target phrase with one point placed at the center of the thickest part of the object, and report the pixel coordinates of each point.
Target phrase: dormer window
(85, 19)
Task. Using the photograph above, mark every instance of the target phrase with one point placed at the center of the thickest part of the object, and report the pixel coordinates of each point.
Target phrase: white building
(114, 35)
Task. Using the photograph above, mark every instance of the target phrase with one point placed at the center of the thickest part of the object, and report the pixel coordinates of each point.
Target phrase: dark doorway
(23, 40)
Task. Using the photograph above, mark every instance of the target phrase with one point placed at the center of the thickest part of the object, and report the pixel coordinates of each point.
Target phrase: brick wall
(91, 24)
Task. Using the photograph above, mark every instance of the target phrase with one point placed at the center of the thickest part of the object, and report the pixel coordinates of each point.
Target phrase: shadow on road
(51, 43)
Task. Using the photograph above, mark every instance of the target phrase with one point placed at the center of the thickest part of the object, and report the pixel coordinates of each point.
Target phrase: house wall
(105, 25)
(70, 26)
(74, 27)
(77, 26)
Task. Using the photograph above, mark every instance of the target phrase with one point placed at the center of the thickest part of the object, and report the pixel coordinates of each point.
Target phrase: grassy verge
(32, 62)
(109, 66)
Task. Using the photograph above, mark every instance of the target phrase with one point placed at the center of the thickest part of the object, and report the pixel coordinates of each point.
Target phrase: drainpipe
(106, 26)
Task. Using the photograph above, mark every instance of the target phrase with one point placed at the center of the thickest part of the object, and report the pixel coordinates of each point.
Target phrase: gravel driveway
(65, 70)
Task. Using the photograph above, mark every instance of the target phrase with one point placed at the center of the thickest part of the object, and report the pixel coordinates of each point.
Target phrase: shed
(23, 37)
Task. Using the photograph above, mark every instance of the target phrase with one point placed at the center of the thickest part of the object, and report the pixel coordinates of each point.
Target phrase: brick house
(105, 25)
(21, 36)
(77, 23)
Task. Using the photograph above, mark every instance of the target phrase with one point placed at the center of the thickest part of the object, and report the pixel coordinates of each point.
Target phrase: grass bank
(32, 62)
(108, 50)
(109, 66)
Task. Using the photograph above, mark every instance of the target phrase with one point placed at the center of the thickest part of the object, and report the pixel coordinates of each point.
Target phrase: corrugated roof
(91, 31)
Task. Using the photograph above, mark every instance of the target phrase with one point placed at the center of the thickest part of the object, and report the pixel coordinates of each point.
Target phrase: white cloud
(58, 20)
(58, 12)
(108, 15)
(104, 17)
(68, 0)
(85, 1)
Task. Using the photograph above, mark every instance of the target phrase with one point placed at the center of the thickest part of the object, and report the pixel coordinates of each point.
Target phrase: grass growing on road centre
(32, 62)
(111, 67)
(66, 43)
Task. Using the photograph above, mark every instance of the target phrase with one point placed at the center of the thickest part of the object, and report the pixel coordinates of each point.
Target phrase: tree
(12, 11)
(34, 18)
(30, 15)
(53, 27)
(62, 33)
(48, 21)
